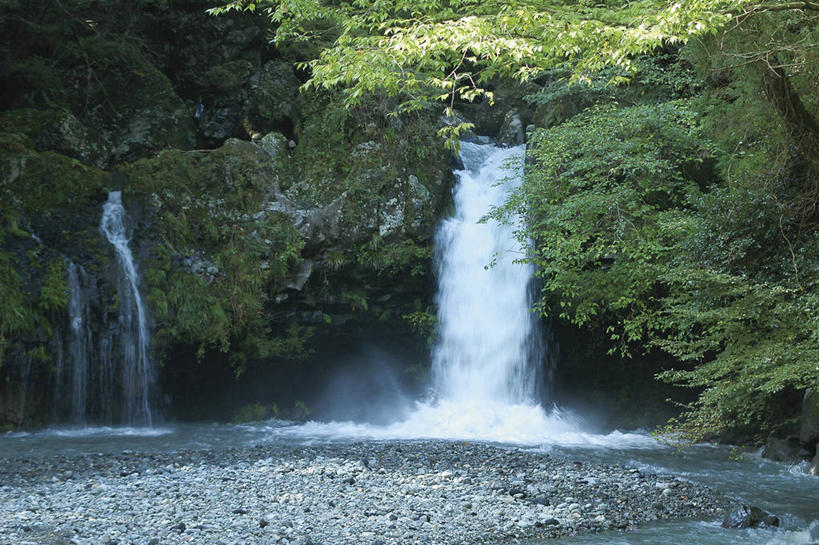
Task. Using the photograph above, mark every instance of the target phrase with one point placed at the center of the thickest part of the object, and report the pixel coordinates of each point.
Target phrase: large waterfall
(488, 364)
(488, 360)
(138, 375)
(487, 352)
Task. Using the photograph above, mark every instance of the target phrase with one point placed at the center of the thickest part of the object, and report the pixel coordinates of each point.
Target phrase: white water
(137, 368)
(488, 360)
(487, 352)
(79, 340)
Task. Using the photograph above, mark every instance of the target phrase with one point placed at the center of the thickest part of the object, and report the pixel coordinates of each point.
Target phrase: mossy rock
(219, 252)
(276, 101)
(56, 130)
(226, 99)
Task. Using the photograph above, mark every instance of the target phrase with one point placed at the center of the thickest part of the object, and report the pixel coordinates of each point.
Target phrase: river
(787, 491)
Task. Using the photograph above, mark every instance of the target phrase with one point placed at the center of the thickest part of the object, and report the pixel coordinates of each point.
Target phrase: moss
(54, 290)
(253, 412)
(218, 260)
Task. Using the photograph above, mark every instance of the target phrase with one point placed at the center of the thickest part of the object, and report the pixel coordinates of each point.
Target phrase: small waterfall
(134, 334)
(488, 349)
(79, 342)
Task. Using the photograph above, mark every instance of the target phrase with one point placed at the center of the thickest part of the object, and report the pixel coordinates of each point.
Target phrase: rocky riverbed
(362, 493)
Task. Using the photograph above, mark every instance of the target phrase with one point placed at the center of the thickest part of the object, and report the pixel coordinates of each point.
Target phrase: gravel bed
(358, 493)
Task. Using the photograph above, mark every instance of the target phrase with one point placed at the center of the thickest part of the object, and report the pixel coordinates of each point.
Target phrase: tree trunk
(803, 130)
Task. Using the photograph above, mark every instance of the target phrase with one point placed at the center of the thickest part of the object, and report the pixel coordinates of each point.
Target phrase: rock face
(511, 132)
(749, 517)
(781, 450)
(809, 421)
(260, 216)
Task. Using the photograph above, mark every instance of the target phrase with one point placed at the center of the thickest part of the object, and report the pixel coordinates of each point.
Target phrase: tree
(449, 50)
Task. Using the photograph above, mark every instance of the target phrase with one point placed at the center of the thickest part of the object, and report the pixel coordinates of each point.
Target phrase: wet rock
(809, 420)
(511, 132)
(749, 517)
(781, 450)
(298, 280)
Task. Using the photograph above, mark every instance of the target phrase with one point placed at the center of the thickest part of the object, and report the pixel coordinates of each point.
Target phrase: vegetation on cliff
(291, 217)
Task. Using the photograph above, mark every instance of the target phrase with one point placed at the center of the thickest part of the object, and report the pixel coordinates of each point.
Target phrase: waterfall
(79, 342)
(490, 364)
(488, 349)
(134, 334)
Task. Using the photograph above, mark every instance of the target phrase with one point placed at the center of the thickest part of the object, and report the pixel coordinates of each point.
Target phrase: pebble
(389, 493)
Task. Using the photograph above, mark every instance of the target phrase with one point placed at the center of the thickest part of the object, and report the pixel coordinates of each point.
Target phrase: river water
(785, 490)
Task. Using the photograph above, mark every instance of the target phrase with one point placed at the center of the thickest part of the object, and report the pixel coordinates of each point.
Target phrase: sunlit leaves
(450, 49)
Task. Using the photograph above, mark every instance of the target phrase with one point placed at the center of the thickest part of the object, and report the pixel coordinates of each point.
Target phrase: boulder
(56, 130)
(781, 450)
(511, 132)
(809, 421)
(317, 225)
(275, 144)
(298, 280)
(227, 94)
(749, 517)
(275, 100)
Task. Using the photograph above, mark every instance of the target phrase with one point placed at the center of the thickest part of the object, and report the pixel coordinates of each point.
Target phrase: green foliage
(54, 291)
(214, 272)
(404, 256)
(253, 412)
(601, 205)
(425, 323)
(16, 316)
(670, 226)
(438, 50)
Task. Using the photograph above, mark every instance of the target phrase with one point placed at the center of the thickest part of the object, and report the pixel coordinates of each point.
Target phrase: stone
(749, 517)
(299, 279)
(511, 132)
(781, 450)
(809, 420)
(275, 100)
(275, 144)
(318, 225)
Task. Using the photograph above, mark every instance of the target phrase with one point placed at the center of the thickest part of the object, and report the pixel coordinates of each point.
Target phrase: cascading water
(138, 375)
(79, 342)
(488, 364)
(487, 352)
